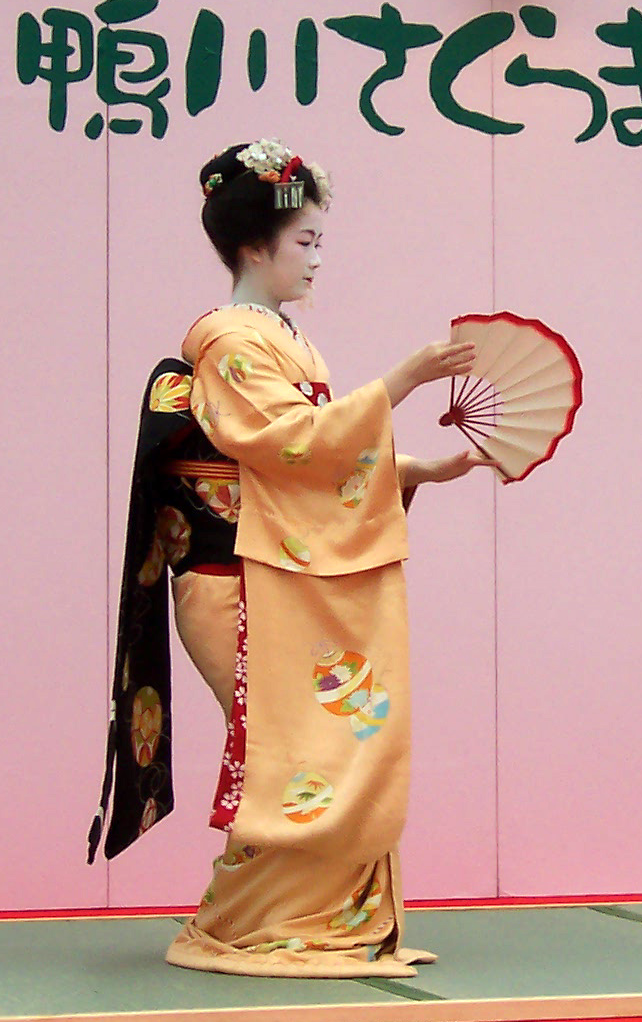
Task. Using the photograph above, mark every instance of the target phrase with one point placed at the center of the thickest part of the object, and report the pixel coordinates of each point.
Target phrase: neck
(248, 291)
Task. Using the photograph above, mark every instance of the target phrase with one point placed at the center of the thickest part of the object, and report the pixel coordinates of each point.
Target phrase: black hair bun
(225, 164)
(239, 207)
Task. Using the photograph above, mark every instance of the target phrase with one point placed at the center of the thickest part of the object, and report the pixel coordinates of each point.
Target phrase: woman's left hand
(445, 469)
(459, 465)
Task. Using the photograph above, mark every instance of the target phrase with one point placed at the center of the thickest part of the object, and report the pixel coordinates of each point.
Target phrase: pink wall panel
(53, 496)
(570, 557)
(432, 223)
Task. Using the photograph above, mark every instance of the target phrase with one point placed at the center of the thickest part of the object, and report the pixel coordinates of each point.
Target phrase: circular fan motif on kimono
(209, 896)
(150, 814)
(235, 368)
(170, 393)
(221, 496)
(146, 726)
(306, 797)
(291, 944)
(152, 568)
(369, 720)
(174, 533)
(124, 681)
(200, 409)
(235, 857)
(294, 555)
(353, 489)
(359, 908)
(343, 682)
(296, 454)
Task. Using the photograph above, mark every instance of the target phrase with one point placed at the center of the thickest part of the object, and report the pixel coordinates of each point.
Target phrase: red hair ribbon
(289, 171)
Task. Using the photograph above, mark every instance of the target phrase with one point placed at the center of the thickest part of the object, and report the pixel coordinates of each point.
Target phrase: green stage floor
(496, 963)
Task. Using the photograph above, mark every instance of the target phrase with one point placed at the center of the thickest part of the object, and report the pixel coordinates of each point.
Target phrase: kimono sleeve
(319, 486)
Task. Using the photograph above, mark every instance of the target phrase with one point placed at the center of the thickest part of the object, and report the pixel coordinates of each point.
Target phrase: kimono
(313, 786)
(280, 513)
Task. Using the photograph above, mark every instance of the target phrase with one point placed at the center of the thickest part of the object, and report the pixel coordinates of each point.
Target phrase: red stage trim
(186, 910)
(508, 902)
(98, 913)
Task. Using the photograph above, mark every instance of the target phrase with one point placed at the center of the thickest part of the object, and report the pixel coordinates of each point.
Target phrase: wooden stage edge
(545, 1009)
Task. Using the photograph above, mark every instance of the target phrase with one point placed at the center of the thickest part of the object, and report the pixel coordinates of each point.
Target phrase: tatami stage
(497, 962)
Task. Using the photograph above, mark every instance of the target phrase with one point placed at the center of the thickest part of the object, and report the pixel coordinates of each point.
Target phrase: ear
(252, 255)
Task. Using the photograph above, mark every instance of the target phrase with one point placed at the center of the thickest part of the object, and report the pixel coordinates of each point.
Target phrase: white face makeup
(287, 273)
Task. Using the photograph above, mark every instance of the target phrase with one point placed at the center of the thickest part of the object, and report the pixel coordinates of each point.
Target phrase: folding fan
(522, 392)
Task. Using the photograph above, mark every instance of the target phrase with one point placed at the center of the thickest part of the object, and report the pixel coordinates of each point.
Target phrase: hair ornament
(288, 192)
(274, 163)
(213, 181)
(265, 155)
(323, 183)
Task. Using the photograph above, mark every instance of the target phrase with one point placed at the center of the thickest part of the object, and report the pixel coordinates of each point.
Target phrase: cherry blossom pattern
(230, 783)
(146, 725)
(359, 908)
(353, 488)
(170, 393)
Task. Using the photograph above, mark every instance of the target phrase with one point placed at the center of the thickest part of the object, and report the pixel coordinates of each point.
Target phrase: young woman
(282, 516)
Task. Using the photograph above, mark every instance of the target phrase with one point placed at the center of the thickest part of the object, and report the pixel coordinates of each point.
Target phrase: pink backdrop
(525, 630)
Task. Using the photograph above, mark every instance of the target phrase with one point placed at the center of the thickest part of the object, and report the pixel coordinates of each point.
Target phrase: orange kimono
(309, 882)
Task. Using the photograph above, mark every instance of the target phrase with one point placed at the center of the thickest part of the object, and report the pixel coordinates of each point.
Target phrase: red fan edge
(564, 347)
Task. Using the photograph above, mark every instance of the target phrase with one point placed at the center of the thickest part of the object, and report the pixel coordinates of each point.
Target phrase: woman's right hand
(434, 362)
(441, 359)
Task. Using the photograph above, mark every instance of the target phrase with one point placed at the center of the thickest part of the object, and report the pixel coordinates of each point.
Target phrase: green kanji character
(628, 35)
(542, 23)
(204, 64)
(465, 45)
(306, 62)
(257, 60)
(31, 49)
(393, 37)
(114, 52)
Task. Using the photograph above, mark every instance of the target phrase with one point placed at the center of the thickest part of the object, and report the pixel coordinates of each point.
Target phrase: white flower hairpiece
(265, 156)
(268, 158)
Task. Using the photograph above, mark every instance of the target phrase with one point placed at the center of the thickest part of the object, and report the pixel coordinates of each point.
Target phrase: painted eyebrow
(308, 230)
